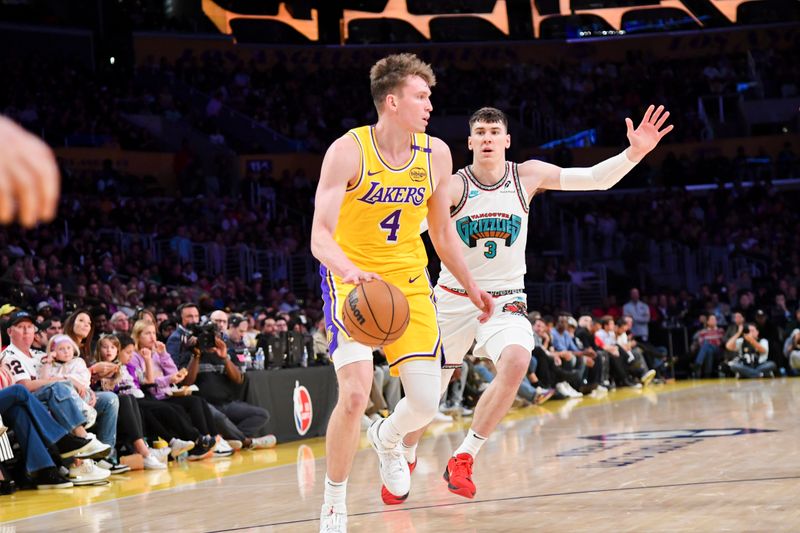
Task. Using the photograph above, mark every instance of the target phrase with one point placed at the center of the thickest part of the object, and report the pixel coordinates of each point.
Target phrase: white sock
(409, 452)
(335, 493)
(472, 444)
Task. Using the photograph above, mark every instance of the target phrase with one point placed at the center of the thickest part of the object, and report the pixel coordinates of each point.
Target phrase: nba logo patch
(303, 410)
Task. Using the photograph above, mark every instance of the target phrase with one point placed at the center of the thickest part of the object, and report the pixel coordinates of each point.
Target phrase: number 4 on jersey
(392, 225)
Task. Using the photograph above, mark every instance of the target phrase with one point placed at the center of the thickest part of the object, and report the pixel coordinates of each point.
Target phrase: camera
(206, 335)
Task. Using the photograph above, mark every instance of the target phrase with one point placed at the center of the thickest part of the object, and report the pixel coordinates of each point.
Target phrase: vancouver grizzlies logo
(378, 194)
(489, 226)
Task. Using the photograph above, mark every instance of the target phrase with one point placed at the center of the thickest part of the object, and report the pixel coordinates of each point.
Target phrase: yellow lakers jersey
(380, 217)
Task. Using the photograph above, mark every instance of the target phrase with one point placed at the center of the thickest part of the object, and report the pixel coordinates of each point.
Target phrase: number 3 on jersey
(392, 225)
(491, 250)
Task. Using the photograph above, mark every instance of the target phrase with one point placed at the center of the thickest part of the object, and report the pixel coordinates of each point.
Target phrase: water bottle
(304, 357)
(248, 359)
(260, 358)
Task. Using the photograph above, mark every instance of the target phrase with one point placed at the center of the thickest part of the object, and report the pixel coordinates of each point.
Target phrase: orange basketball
(375, 313)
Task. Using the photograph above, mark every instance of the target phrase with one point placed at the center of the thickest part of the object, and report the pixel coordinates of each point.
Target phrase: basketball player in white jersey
(489, 208)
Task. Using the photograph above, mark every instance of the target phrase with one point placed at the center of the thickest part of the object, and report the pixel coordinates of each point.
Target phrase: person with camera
(752, 359)
(217, 370)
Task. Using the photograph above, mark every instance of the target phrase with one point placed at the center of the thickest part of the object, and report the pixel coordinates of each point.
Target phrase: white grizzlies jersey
(492, 223)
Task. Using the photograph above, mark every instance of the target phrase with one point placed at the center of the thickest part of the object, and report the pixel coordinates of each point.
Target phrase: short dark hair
(490, 115)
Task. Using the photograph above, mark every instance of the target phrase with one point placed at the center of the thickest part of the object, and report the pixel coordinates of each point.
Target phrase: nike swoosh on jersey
(412, 280)
(371, 173)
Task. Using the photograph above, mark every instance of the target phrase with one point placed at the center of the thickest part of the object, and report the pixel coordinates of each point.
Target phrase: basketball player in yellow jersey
(489, 205)
(377, 185)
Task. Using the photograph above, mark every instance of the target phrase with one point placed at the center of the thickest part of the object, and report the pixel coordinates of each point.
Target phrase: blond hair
(138, 328)
(61, 339)
(389, 74)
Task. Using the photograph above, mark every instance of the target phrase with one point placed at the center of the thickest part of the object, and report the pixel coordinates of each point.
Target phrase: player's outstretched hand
(649, 132)
(357, 277)
(29, 181)
(483, 301)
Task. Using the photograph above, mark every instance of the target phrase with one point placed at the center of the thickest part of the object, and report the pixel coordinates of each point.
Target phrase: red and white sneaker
(391, 499)
(458, 475)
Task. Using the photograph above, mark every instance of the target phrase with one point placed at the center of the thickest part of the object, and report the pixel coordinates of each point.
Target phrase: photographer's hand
(220, 349)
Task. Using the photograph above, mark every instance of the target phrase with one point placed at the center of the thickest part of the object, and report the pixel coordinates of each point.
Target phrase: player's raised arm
(340, 165)
(442, 232)
(604, 175)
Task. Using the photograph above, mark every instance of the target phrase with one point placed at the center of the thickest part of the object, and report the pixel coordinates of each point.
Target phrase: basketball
(376, 313)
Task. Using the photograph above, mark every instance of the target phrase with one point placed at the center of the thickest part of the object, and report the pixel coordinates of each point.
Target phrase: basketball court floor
(689, 456)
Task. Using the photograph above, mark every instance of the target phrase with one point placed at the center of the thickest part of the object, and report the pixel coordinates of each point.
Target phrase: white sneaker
(179, 446)
(222, 449)
(95, 450)
(648, 377)
(162, 454)
(393, 466)
(234, 444)
(151, 462)
(332, 519)
(262, 443)
(88, 473)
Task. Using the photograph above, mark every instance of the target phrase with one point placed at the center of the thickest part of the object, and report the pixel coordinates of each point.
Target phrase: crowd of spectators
(144, 383)
(556, 100)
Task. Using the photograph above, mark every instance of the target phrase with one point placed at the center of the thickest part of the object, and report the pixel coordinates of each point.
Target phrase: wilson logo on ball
(352, 301)
(303, 409)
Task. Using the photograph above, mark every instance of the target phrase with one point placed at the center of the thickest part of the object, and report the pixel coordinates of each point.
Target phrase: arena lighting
(222, 18)
(398, 9)
(612, 15)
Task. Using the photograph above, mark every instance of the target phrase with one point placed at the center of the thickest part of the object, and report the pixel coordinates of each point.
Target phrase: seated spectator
(120, 323)
(36, 432)
(62, 361)
(219, 376)
(56, 393)
(79, 328)
(130, 426)
(162, 420)
(163, 375)
(549, 365)
(631, 355)
(571, 356)
(606, 340)
(737, 325)
(752, 360)
(707, 347)
(791, 350)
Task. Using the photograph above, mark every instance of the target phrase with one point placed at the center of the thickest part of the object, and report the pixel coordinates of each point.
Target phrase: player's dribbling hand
(357, 276)
(29, 181)
(483, 301)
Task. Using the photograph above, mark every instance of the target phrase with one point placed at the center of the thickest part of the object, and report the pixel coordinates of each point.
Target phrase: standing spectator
(752, 360)
(640, 312)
